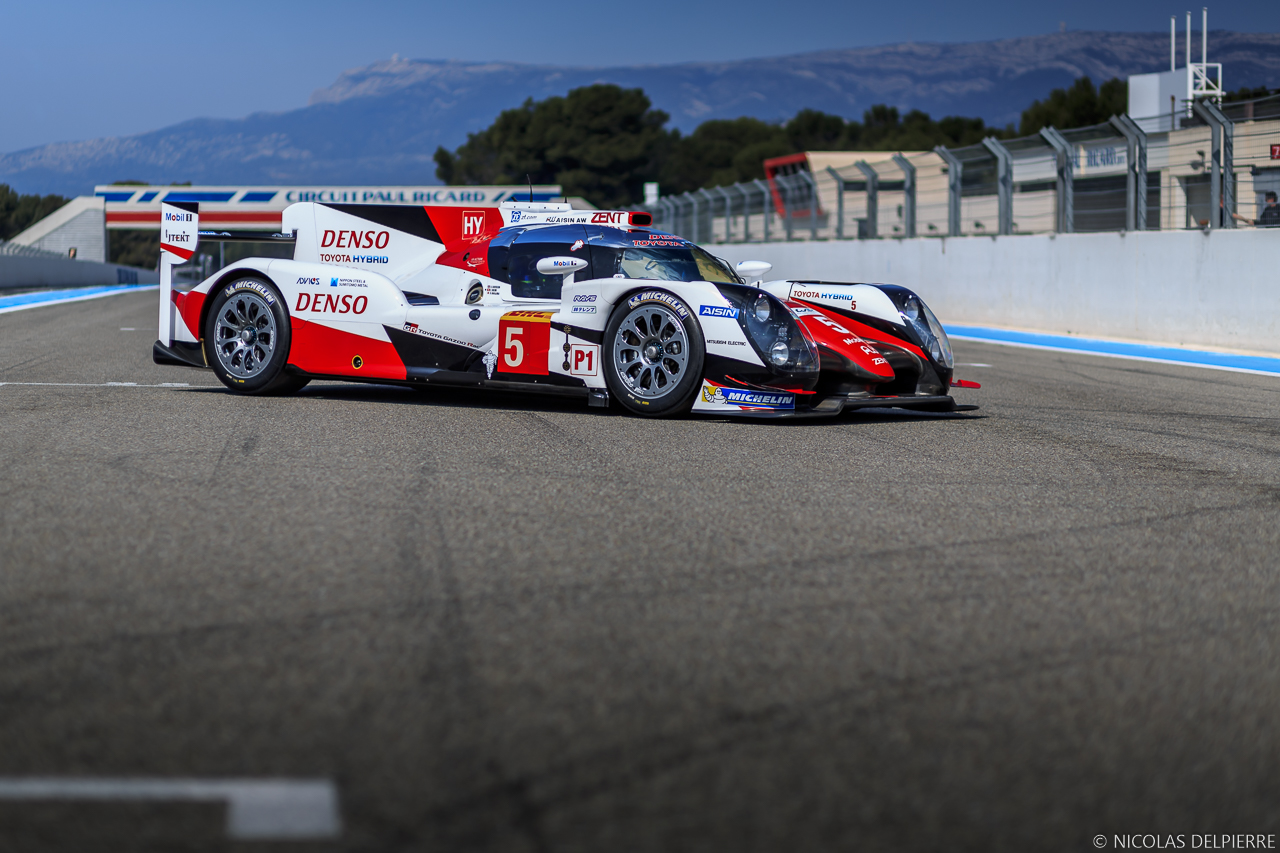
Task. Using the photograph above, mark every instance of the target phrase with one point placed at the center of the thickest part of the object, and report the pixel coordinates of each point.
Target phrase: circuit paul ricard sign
(247, 207)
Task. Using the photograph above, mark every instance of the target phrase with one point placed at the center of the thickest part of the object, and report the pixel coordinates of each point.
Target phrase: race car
(541, 297)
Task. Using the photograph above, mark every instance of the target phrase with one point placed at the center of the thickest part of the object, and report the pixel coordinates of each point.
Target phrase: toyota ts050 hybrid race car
(545, 298)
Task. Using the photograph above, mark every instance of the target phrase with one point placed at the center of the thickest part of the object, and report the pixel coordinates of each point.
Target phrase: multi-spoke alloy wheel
(651, 351)
(245, 335)
(654, 357)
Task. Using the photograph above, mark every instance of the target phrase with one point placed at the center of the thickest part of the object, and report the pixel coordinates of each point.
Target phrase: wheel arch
(223, 279)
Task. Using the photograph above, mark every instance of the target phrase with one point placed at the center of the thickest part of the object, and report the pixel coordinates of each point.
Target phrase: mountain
(381, 124)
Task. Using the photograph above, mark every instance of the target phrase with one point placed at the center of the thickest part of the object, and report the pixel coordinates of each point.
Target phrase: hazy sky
(80, 70)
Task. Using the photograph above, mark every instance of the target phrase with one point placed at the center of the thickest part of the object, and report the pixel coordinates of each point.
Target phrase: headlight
(777, 338)
(780, 352)
(761, 308)
(917, 316)
(940, 346)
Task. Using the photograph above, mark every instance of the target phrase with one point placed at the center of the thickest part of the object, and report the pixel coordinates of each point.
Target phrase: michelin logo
(717, 311)
(748, 399)
(658, 296)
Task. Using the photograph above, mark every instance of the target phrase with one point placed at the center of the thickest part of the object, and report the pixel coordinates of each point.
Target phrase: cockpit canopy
(610, 253)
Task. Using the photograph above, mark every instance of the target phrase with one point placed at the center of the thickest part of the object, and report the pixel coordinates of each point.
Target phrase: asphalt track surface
(514, 624)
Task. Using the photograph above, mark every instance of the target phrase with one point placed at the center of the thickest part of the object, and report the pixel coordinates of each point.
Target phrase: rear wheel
(653, 353)
(247, 338)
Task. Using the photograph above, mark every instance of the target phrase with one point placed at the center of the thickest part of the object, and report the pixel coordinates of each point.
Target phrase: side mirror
(561, 265)
(753, 271)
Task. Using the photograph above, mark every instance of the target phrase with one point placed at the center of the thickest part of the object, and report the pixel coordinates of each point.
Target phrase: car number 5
(512, 348)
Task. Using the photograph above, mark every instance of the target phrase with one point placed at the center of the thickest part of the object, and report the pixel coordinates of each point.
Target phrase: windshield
(666, 263)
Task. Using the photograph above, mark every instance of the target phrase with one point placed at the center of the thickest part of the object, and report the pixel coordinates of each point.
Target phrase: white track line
(257, 809)
(107, 385)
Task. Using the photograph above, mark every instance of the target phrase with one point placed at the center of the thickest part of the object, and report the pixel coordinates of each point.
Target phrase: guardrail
(7, 248)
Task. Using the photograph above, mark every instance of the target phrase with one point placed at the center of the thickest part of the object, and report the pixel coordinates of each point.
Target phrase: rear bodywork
(446, 296)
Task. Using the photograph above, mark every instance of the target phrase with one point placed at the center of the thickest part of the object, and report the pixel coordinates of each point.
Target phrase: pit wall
(37, 271)
(1195, 289)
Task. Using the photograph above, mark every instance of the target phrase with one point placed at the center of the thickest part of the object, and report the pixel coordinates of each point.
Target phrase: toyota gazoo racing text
(546, 298)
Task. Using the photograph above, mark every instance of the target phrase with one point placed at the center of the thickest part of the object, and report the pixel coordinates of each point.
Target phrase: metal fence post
(908, 194)
(728, 214)
(746, 212)
(955, 170)
(693, 201)
(788, 203)
(711, 214)
(1215, 152)
(813, 203)
(767, 199)
(1066, 179)
(1224, 157)
(839, 202)
(1004, 182)
(1135, 208)
(873, 198)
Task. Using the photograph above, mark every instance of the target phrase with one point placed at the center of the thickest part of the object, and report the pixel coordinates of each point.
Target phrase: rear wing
(180, 234)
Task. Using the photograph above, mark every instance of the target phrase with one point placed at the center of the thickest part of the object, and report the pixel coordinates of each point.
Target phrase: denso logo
(331, 303)
(584, 297)
(355, 239)
(607, 217)
(314, 282)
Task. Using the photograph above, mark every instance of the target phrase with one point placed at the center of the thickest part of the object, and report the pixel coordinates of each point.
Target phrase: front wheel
(653, 354)
(247, 337)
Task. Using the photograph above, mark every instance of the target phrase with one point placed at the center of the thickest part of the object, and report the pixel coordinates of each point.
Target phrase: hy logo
(472, 223)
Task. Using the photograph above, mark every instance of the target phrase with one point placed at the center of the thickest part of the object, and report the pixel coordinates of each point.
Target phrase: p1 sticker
(584, 360)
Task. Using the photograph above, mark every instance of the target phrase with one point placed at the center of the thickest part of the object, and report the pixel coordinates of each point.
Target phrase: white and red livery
(541, 297)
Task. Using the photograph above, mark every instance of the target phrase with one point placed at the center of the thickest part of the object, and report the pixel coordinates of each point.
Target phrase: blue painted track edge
(1118, 349)
(38, 298)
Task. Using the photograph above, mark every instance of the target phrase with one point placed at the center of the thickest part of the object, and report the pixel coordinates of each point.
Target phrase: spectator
(1270, 217)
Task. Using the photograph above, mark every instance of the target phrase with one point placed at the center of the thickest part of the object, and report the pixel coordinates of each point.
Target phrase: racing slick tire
(653, 353)
(247, 337)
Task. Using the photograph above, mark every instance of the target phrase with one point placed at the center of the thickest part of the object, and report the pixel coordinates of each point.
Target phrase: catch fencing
(1160, 173)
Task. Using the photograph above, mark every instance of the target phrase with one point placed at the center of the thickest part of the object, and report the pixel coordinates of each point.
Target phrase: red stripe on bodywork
(189, 306)
(327, 351)
(862, 330)
(462, 228)
(474, 259)
(185, 254)
(844, 346)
